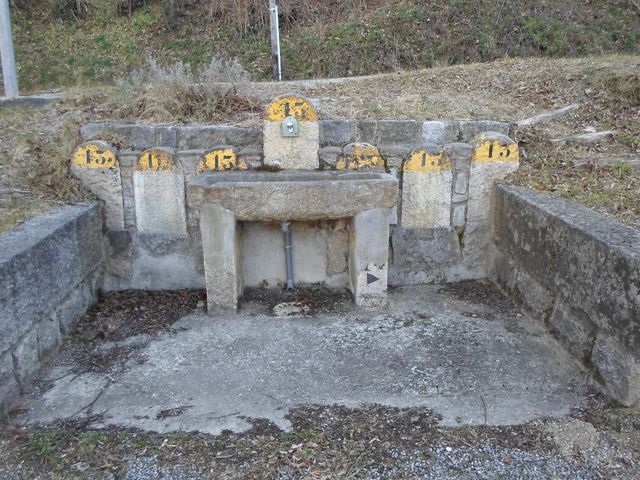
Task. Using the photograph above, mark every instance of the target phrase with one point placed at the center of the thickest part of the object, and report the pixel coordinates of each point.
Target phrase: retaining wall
(151, 246)
(50, 269)
(578, 272)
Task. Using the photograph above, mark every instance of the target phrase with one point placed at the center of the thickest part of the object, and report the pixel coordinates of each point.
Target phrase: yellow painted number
(361, 157)
(291, 107)
(94, 155)
(494, 151)
(221, 160)
(154, 160)
(423, 161)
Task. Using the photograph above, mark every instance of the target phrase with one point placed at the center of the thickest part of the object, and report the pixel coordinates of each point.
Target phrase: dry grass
(35, 146)
(178, 94)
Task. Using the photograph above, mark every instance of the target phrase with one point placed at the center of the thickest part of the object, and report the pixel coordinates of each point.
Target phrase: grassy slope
(323, 42)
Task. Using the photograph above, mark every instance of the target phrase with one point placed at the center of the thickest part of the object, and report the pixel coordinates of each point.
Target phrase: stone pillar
(291, 152)
(158, 189)
(221, 250)
(494, 156)
(368, 257)
(426, 189)
(96, 165)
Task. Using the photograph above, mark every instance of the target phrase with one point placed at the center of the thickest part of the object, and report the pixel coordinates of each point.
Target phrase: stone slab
(369, 257)
(494, 157)
(96, 165)
(262, 196)
(426, 189)
(159, 194)
(429, 349)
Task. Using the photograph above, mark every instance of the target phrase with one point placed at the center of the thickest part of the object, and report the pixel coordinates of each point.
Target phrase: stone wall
(50, 269)
(578, 272)
(435, 232)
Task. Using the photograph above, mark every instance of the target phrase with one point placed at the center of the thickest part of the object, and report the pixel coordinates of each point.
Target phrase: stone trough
(224, 200)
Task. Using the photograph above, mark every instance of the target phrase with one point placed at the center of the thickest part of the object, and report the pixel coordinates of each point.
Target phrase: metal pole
(9, 75)
(275, 40)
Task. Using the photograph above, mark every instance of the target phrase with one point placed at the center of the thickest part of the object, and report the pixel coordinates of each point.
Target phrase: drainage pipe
(288, 255)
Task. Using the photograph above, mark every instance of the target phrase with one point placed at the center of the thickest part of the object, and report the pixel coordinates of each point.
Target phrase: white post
(275, 40)
(9, 75)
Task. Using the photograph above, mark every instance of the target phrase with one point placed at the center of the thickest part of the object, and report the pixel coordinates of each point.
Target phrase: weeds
(178, 94)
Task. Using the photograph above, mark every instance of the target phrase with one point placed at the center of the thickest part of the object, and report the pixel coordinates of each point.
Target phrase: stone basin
(224, 200)
(302, 195)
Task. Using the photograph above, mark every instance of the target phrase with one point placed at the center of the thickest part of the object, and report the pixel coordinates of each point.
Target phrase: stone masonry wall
(50, 269)
(578, 273)
(150, 247)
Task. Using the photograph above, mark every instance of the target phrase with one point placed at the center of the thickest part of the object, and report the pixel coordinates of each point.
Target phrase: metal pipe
(288, 255)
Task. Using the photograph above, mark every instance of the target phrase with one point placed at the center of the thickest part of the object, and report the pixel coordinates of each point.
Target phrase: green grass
(101, 47)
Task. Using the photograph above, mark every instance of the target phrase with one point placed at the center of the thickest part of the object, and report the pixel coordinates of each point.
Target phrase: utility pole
(275, 40)
(9, 75)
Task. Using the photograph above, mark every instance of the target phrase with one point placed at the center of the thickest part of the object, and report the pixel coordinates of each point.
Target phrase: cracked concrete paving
(471, 363)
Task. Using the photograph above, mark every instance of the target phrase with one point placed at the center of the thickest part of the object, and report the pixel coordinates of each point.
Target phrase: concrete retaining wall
(50, 268)
(141, 257)
(578, 272)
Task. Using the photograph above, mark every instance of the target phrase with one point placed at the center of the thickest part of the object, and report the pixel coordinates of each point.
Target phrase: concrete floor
(471, 361)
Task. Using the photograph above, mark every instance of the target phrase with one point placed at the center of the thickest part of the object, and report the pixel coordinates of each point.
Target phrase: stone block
(396, 132)
(167, 136)
(587, 258)
(88, 229)
(329, 157)
(95, 131)
(251, 156)
(73, 307)
(141, 137)
(426, 189)
(127, 159)
(357, 156)
(164, 262)
(95, 164)
(617, 369)
(189, 161)
(422, 255)
(48, 337)
(8, 385)
(292, 153)
(395, 154)
(221, 249)
(159, 194)
(41, 261)
(459, 216)
(439, 133)
(461, 184)
(337, 248)
(494, 157)
(119, 258)
(205, 137)
(469, 129)
(368, 257)
(574, 329)
(537, 298)
(128, 203)
(335, 133)
(25, 359)
(366, 131)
